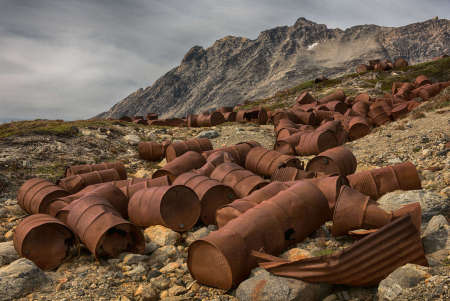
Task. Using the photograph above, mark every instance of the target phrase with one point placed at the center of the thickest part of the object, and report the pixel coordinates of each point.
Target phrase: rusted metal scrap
(241, 180)
(258, 115)
(101, 228)
(198, 145)
(151, 151)
(211, 193)
(222, 259)
(36, 195)
(213, 160)
(44, 240)
(286, 174)
(238, 152)
(81, 169)
(334, 161)
(75, 183)
(176, 207)
(131, 186)
(365, 263)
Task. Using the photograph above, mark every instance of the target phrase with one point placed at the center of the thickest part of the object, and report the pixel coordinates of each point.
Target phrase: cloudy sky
(72, 59)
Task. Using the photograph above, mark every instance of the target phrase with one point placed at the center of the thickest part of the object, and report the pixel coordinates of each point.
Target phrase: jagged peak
(303, 21)
(195, 53)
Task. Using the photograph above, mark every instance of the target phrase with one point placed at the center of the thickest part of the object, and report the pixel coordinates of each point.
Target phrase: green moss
(323, 252)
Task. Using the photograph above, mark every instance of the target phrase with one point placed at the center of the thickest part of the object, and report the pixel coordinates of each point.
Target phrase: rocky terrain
(236, 69)
(43, 148)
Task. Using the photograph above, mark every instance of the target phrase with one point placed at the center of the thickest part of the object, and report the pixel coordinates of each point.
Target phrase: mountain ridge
(235, 69)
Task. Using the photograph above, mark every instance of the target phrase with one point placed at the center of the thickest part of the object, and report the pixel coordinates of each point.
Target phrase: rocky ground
(161, 273)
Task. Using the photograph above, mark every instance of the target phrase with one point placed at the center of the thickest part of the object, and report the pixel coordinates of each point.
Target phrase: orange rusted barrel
(286, 174)
(151, 151)
(241, 180)
(213, 160)
(229, 116)
(337, 128)
(338, 95)
(75, 183)
(184, 163)
(211, 193)
(101, 228)
(337, 106)
(264, 162)
(313, 143)
(421, 80)
(399, 110)
(378, 115)
(36, 195)
(81, 169)
(428, 91)
(305, 98)
(198, 145)
(335, 161)
(44, 240)
(357, 127)
(176, 207)
(130, 187)
(238, 152)
(213, 119)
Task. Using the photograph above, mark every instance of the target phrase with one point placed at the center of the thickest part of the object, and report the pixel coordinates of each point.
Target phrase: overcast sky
(72, 59)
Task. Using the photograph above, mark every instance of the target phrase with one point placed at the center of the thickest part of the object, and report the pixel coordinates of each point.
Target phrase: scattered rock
(19, 278)
(176, 290)
(193, 236)
(296, 254)
(132, 139)
(432, 203)
(436, 240)
(208, 134)
(162, 236)
(266, 287)
(147, 292)
(7, 253)
(130, 259)
(162, 255)
(404, 277)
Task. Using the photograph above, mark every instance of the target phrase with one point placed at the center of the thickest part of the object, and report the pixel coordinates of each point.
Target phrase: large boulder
(20, 278)
(267, 287)
(436, 240)
(7, 253)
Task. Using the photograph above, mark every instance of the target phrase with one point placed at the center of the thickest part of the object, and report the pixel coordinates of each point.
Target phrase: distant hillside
(235, 69)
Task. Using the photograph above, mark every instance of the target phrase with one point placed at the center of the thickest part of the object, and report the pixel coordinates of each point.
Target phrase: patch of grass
(55, 127)
(323, 252)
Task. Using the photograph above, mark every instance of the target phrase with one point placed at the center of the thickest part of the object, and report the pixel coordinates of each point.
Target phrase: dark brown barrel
(213, 160)
(339, 95)
(226, 109)
(361, 107)
(101, 228)
(36, 195)
(176, 207)
(150, 150)
(407, 175)
(176, 149)
(238, 152)
(324, 115)
(286, 174)
(335, 161)
(287, 145)
(75, 183)
(399, 110)
(305, 98)
(241, 180)
(337, 106)
(258, 115)
(335, 127)
(357, 127)
(330, 188)
(400, 63)
(378, 115)
(428, 91)
(421, 80)
(264, 162)
(168, 122)
(126, 118)
(184, 163)
(152, 116)
(229, 116)
(308, 118)
(211, 193)
(213, 119)
(81, 169)
(313, 143)
(44, 240)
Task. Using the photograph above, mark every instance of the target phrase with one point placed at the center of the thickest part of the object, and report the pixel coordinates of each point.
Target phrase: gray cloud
(73, 59)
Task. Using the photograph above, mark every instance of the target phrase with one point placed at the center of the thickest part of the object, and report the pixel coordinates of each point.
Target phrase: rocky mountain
(235, 69)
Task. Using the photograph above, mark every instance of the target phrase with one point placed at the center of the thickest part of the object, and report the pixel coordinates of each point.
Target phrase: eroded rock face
(235, 69)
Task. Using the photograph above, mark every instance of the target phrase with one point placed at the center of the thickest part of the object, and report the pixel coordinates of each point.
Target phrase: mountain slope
(235, 69)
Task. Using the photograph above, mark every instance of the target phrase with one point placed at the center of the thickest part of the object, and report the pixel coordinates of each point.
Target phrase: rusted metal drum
(226, 109)
(192, 120)
(126, 118)
(198, 145)
(168, 122)
(287, 145)
(285, 123)
(286, 174)
(44, 240)
(258, 115)
(322, 115)
(151, 151)
(421, 80)
(75, 183)
(279, 115)
(81, 169)
(184, 163)
(176, 207)
(399, 110)
(241, 180)
(211, 193)
(337, 106)
(36, 195)
(335, 127)
(330, 188)
(378, 115)
(335, 161)
(222, 259)
(405, 90)
(407, 175)
(313, 143)
(214, 160)
(400, 63)
(308, 118)
(139, 121)
(229, 116)
(264, 162)
(412, 104)
(428, 91)
(239, 206)
(338, 95)
(238, 152)
(305, 98)
(212, 119)
(101, 228)
(357, 127)
(362, 97)
(361, 107)
(132, 186)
